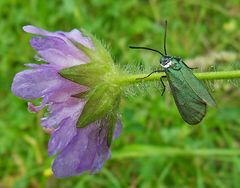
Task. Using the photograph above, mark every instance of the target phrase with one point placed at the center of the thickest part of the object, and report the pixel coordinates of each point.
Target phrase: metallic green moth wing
(196, 85)
(188, 95)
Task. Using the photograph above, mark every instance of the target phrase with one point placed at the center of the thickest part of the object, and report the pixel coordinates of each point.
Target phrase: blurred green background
(156, 148)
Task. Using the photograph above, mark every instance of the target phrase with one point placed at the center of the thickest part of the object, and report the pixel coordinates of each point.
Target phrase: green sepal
(89, 74)
(100, 102)
(110, 123)
(99, 54)
(111, 120)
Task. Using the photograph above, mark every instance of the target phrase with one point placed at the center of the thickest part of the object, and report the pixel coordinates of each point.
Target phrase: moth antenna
(146, 48)
(165, 38)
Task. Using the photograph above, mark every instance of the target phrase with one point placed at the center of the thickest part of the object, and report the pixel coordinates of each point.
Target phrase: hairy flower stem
(132, 79)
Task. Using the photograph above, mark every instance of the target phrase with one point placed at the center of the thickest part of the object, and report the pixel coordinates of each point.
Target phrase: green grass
(156, 148)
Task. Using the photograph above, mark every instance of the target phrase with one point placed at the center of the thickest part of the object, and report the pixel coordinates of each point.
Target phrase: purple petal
(38, 31)
(118, 129)
(35, 30)
(62, 136)
(74, 35)
(64, 91)
(60, 111)
(44, 80)
(58, 48)
(34, 83)
(56, 51)
(87, 151)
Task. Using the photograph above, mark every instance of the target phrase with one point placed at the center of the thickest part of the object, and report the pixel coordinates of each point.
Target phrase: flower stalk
(133, 79)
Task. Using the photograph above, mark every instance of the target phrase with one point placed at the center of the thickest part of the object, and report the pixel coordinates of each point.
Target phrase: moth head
(166, 61)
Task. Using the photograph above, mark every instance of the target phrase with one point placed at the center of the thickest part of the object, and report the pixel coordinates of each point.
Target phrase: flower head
(75, 83)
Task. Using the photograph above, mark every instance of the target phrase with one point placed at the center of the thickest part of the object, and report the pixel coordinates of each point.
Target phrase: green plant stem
(136, 151)
(132, 79)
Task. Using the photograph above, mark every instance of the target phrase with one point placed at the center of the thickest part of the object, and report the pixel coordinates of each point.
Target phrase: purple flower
(78, 149)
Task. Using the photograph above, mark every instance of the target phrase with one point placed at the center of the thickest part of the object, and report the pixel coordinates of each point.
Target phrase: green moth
(190, 94)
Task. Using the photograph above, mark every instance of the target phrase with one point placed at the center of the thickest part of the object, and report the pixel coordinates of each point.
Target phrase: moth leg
(193, 67)
(164, 87)
(150, 74)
